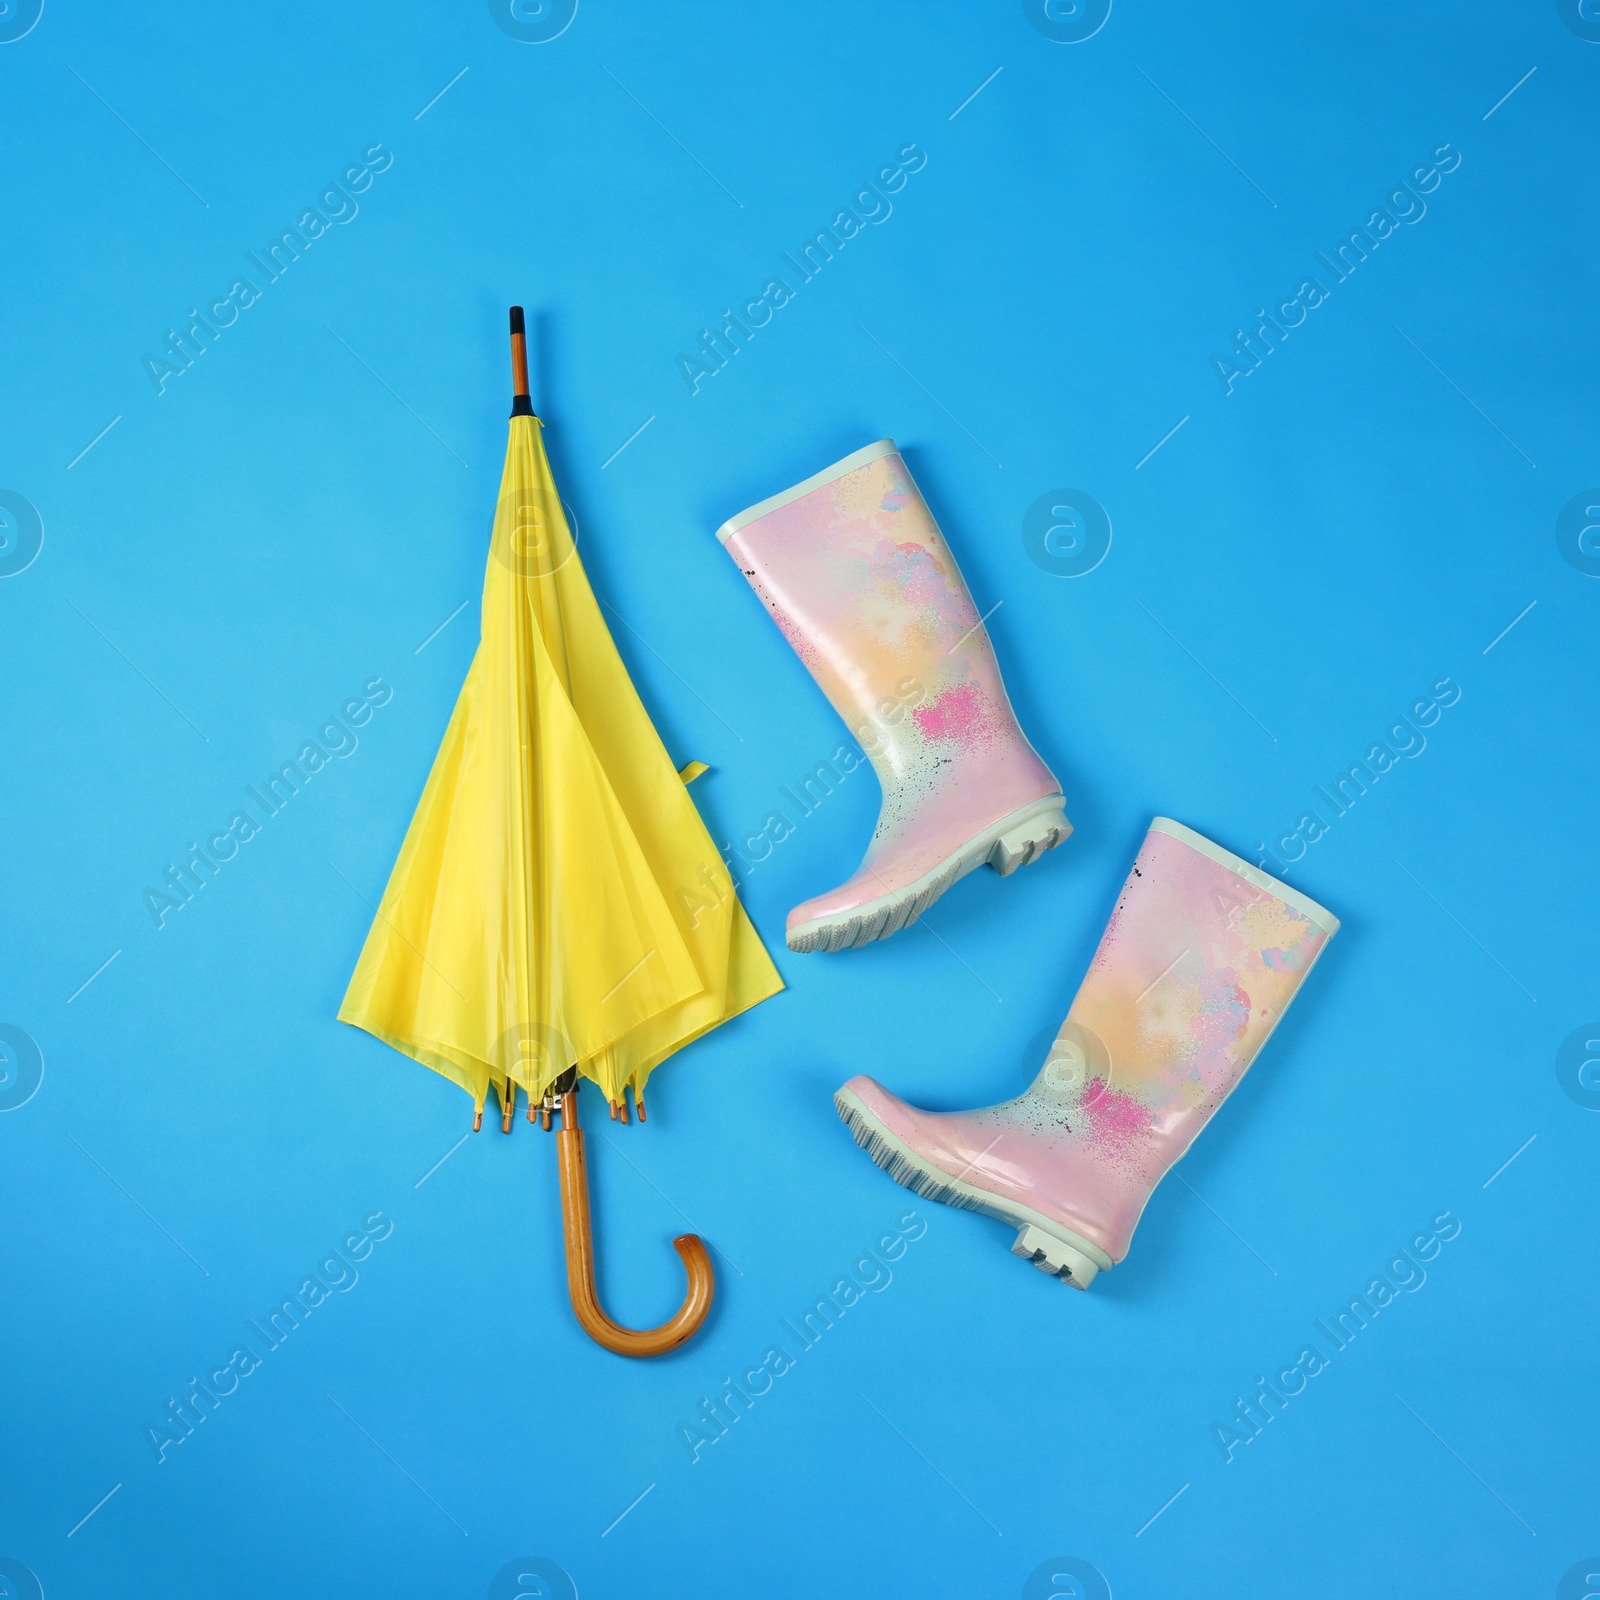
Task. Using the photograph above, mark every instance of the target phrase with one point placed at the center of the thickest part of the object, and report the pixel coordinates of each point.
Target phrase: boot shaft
(1197, 966)
(860, 580)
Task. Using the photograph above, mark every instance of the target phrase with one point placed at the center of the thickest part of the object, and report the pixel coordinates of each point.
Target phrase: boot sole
(1047, 1244)
(1012, 842)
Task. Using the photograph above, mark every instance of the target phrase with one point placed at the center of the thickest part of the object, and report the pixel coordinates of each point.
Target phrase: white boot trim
(1005, 845)
(1303, 903)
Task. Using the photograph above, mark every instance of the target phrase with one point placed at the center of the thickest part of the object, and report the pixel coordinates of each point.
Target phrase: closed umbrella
(558, 911)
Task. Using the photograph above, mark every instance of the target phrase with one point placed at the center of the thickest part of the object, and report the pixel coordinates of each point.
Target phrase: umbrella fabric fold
(557, 902)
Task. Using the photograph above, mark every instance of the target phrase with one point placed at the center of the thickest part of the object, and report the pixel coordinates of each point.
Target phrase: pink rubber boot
(857, 575)
(1199, 961)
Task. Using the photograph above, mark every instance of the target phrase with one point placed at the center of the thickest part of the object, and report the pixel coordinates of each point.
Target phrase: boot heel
(1053, 1254)
(1028, 840)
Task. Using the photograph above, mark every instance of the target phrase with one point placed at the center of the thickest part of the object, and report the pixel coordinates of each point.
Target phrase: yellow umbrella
(558, 910)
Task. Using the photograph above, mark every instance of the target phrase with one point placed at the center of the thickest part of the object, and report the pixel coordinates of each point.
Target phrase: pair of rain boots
(1201, 957)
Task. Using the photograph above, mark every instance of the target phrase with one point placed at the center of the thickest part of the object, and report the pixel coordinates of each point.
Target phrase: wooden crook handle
(682, 1326)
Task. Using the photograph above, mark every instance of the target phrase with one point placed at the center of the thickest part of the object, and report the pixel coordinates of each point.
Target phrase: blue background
(1294, 567)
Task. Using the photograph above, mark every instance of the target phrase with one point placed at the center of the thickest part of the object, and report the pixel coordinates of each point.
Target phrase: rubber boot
(860, 580)
(1199, 962)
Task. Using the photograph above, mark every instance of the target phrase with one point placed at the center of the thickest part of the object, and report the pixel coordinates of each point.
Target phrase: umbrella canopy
(558, 909)
(557, 902)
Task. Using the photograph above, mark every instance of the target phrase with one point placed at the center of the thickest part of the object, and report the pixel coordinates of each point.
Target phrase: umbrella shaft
(519, 363)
